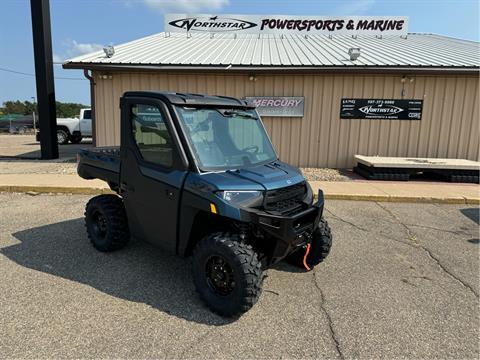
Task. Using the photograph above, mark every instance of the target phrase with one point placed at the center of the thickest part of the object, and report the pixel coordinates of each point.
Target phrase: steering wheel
(252, 148)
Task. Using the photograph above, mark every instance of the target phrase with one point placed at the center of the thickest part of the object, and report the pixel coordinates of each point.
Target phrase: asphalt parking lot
(402, 281)
(25, 147)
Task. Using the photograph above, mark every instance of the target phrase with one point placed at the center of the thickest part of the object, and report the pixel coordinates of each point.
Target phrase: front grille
(285, 200)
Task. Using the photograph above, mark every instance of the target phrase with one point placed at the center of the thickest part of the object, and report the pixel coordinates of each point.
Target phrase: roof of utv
(191, 99)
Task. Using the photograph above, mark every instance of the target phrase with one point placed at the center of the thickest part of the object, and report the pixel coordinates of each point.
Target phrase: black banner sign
(381, 109)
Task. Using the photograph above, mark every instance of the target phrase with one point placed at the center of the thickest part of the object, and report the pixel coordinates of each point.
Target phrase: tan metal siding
(449, 126)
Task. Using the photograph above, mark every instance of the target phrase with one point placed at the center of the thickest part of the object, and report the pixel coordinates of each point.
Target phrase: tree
(27, 107)
(68, 109)
(14, 107)
(30, 107)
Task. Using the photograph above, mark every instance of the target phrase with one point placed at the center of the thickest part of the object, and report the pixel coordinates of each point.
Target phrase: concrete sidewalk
(339, 190)
(401, 191)
(51, 183)
(60, 176)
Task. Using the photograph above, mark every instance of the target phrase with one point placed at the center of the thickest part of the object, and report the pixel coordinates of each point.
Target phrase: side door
(153, 171)
(86, 123)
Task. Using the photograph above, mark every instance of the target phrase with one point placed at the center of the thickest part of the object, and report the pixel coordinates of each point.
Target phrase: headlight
(247, 198)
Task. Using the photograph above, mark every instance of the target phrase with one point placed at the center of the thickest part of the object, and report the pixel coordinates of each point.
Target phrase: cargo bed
(100, 163)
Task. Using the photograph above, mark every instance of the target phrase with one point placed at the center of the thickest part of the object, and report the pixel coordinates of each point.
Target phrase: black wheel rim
(220, 276)
(99, 225)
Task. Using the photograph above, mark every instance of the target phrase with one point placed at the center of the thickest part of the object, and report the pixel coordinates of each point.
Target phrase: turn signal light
(213, 208)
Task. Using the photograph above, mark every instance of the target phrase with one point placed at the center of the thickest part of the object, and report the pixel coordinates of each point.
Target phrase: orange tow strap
(305, 258)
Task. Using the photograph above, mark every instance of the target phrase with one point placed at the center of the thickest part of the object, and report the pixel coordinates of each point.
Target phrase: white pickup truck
(74, 129)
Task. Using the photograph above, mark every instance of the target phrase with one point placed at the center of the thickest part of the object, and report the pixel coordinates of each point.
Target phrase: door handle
(169, 193)
(126, 187)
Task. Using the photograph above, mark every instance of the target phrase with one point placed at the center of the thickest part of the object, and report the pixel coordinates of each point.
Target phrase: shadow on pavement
(65, 152)
(472, 213)
(139, 273)
(286, 267)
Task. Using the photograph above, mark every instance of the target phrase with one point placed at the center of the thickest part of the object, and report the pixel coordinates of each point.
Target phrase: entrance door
(152, 172)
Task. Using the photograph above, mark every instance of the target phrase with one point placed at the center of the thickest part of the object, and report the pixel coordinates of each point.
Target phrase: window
(226, 138)
(151, 134)
(87, 114)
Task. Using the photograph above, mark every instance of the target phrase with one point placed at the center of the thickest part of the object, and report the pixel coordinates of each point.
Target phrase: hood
(263, 177)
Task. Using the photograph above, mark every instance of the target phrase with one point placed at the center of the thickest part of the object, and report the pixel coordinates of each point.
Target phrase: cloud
(357, 7)
(58, 58)
(74, 48)
(77, 49)
(186, 5)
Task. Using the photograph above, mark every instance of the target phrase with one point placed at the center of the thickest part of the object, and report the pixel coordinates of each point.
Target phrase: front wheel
(227, 274)
(320, 245)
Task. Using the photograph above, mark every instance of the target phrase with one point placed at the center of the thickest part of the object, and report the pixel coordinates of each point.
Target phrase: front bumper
(290, 232)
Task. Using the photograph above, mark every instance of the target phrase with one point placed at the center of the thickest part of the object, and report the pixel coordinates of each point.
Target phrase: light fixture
(354, 53)
(109, 51)
(252, 78)
(410, 79)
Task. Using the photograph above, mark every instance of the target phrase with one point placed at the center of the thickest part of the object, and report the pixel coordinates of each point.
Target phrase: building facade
(443, 73)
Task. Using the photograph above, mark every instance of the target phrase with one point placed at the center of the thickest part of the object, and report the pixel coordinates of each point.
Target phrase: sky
(82, 26)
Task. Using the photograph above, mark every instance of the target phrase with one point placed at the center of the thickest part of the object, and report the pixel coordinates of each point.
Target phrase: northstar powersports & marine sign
(272, 24)
(388, 109)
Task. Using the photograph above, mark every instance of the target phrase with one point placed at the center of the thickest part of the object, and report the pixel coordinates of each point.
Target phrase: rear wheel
(106, 222)
(227, 274)
(319, 248)
(62, 137)
(22, 130)
(76, 139)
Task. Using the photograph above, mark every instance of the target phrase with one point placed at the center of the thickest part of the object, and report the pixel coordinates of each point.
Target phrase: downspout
(92, 104)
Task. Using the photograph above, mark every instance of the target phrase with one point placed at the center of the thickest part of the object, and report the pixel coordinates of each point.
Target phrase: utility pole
(34, 120)
(42, 46)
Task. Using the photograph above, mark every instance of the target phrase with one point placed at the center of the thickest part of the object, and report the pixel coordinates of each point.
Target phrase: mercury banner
(285, 24)
(288, 106)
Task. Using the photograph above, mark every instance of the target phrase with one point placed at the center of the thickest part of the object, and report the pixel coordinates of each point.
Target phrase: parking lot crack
(455, 232)
(410, 234)
(345, 221)
(448, 272)
(408, 243)
(436, 260)
(331, 328)
(195, 342)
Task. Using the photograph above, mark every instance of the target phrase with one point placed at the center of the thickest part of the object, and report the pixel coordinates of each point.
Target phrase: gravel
(37, 167)
(325, 174)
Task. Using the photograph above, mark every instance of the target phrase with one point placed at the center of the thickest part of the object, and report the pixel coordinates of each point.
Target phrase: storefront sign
(282, 24)
(288, 106)
(381, 109)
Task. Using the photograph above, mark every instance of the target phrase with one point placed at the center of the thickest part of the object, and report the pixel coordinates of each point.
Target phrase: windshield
(224, 139)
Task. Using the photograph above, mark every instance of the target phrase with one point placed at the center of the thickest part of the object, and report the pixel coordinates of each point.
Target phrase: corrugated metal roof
(288, 51)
